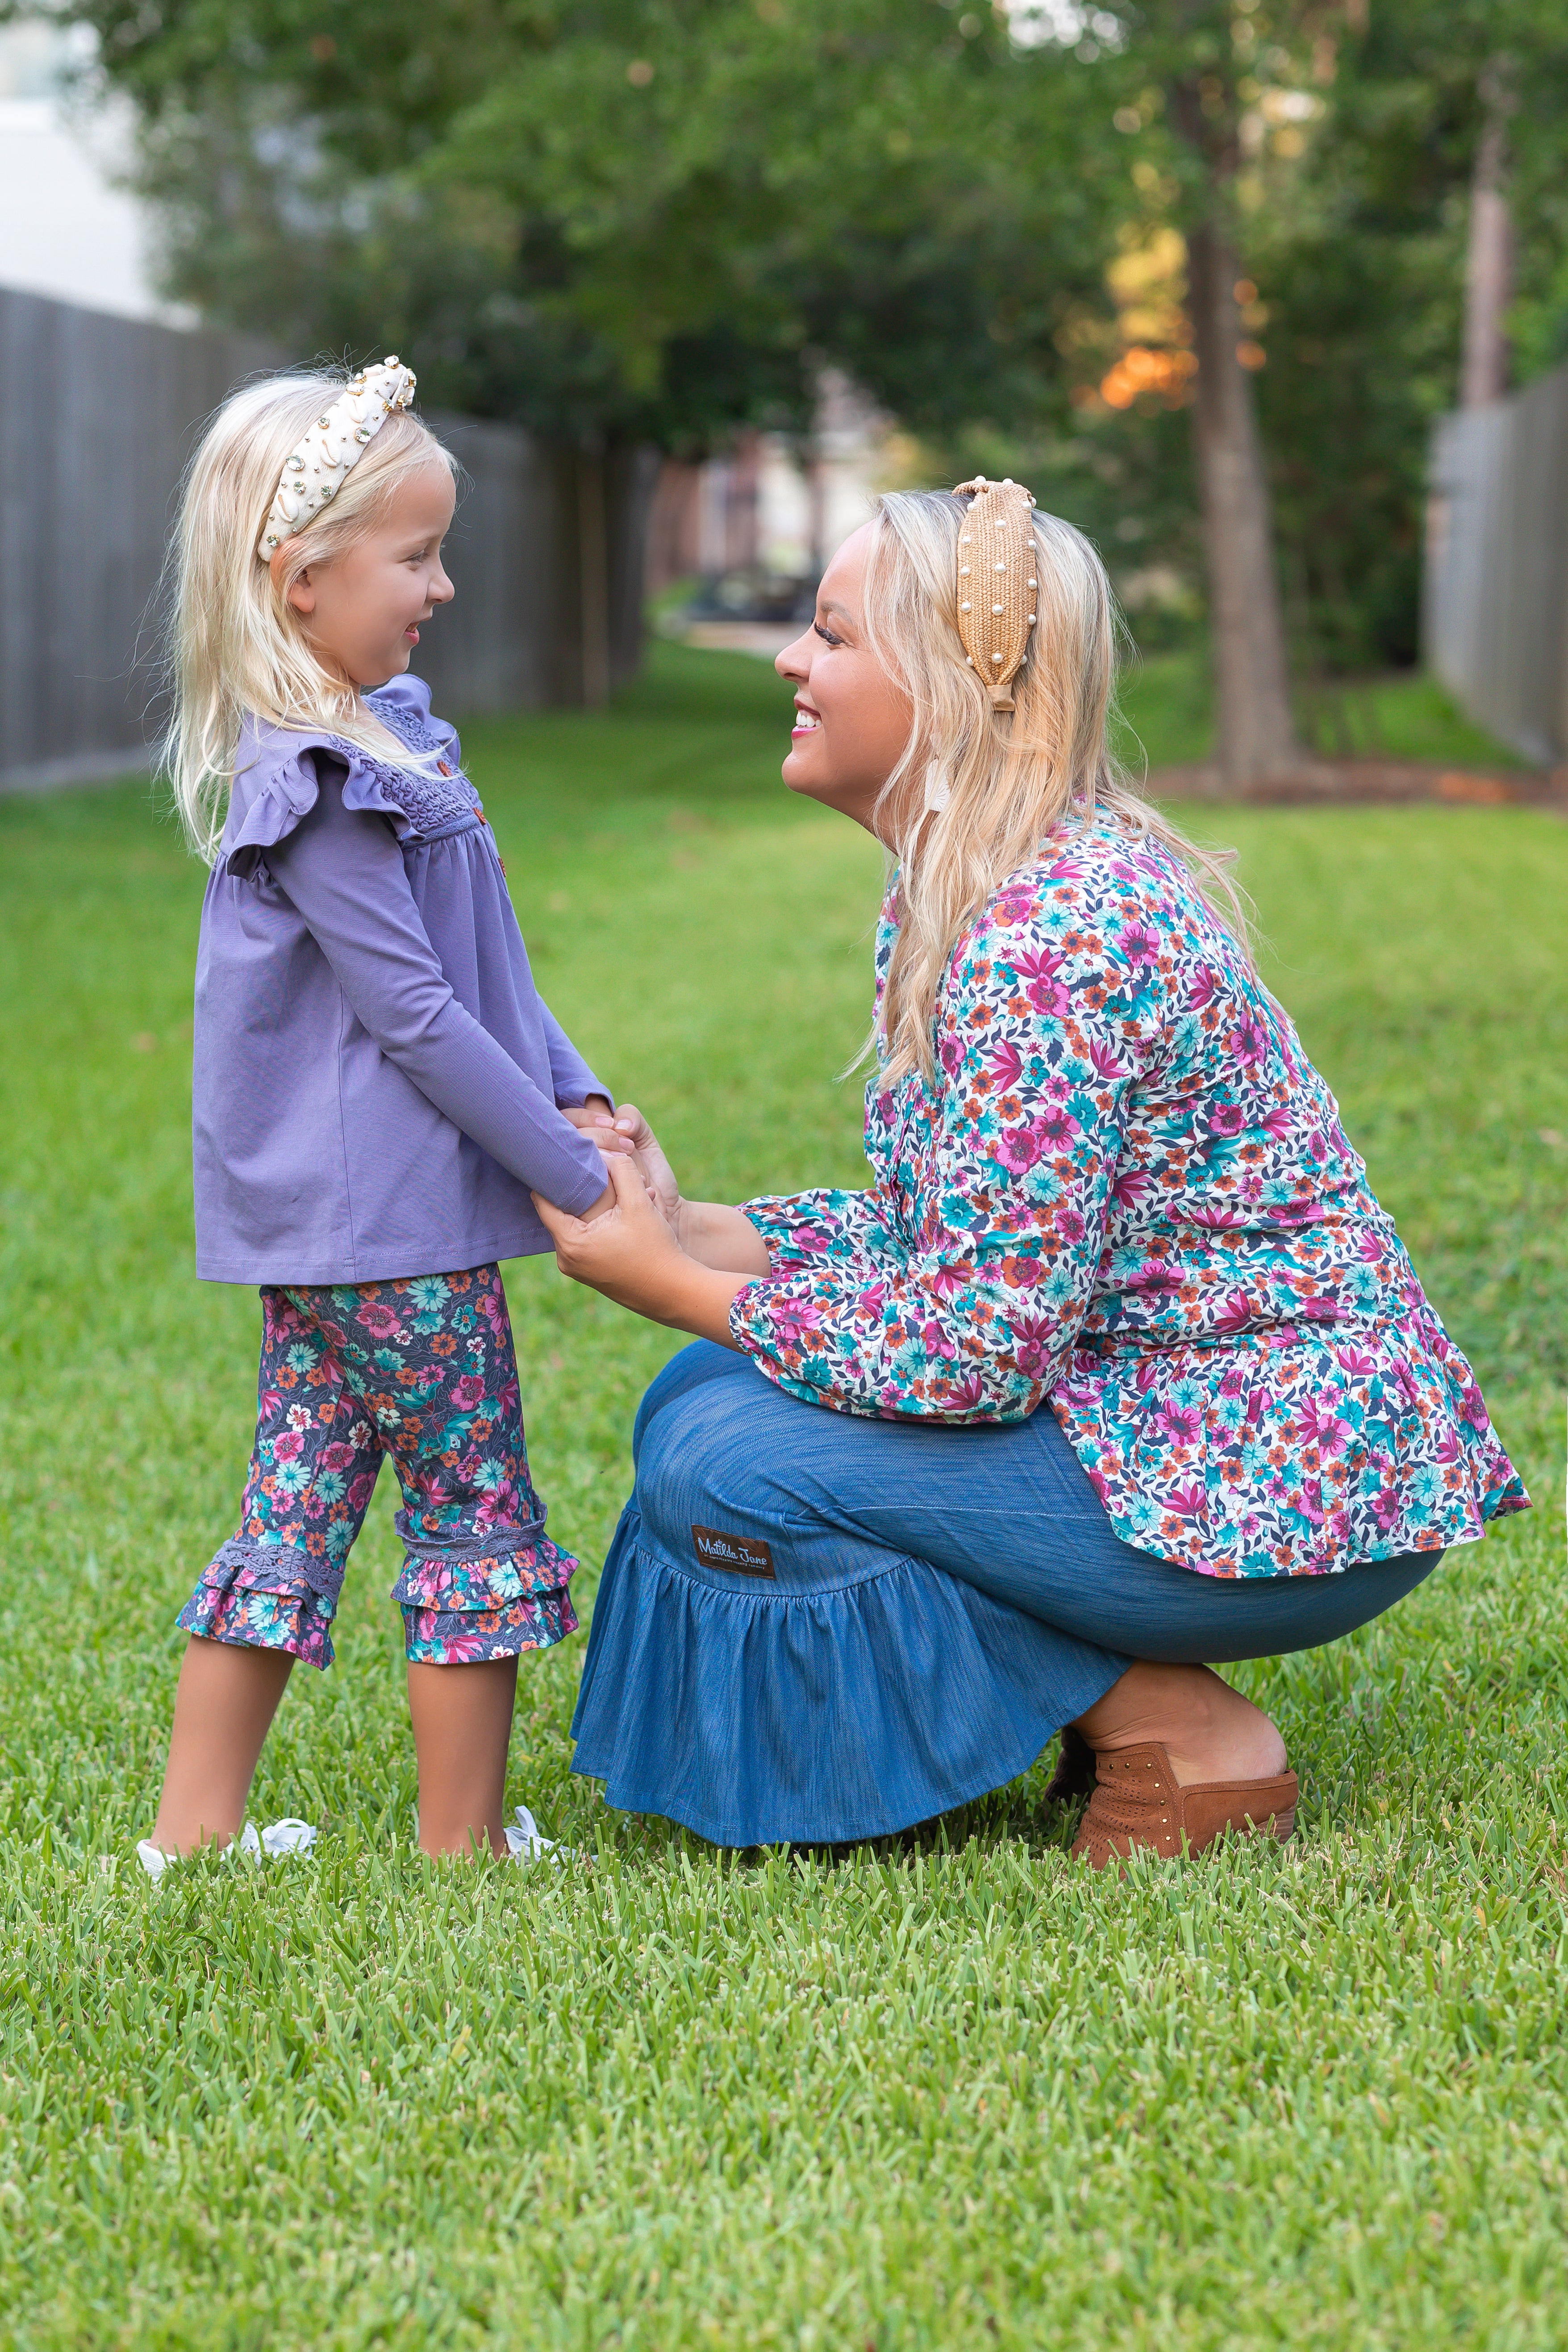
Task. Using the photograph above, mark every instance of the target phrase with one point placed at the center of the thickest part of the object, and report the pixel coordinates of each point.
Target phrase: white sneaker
(525, 1843)
(280, 1838)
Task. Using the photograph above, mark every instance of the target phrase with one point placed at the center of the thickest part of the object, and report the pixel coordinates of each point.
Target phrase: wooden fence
(1496, 565)
(99, 416)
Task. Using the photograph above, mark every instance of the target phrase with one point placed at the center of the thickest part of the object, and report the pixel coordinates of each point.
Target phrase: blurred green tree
(1334, 151)
(1101, 242)
(642, 218)
(624, 222)
(1362, 269)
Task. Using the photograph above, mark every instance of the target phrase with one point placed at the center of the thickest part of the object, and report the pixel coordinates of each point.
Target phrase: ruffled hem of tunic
(760, 1717)
(1290, 1453)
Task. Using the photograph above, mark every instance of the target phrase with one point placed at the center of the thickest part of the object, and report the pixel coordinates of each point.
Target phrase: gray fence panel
(485, 651)
(99, 416)
(1496, 565)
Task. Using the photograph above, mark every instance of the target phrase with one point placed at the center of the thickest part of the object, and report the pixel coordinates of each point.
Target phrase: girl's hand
(628, 1131)
(652, 1166)
(632, 1256)
(629, 1253)
(594, 1119)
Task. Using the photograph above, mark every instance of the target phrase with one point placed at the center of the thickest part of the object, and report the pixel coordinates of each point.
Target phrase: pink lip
(412, 635)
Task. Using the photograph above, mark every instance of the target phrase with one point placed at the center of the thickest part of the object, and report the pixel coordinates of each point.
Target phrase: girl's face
(851, 722)
(362, 609)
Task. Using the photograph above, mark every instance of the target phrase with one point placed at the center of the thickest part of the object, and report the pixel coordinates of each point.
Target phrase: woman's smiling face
(852, 722)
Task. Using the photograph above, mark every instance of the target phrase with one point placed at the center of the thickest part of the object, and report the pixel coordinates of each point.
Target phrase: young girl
(378, 1087)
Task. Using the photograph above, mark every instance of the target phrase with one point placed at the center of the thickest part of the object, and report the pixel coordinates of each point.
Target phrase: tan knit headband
(996, 581)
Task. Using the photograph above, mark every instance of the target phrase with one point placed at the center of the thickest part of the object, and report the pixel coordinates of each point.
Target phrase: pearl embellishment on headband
(996, 637)
(334, 445)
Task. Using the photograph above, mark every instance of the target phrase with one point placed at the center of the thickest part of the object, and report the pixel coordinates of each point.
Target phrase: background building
(67, 229)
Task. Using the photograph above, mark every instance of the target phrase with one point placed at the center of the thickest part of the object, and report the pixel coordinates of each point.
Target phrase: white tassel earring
(939, 791)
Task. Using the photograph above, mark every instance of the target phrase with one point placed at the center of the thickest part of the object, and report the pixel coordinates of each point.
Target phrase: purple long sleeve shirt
(377, 1081)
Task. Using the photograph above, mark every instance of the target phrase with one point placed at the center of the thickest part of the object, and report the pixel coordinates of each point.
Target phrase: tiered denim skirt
(814, 1628)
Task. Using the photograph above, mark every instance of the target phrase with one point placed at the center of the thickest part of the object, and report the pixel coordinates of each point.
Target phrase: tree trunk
(593, 578)
(1256, 736)
(600, 500)
(1489, 265)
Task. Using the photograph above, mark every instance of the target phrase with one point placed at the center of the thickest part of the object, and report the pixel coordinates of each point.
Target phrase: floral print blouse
(1129, 1192)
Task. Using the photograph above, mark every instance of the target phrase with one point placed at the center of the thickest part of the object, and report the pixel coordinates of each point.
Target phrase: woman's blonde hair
(236, 644)
(1004, 782)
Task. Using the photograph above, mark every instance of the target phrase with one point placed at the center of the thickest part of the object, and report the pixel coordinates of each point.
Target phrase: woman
(870, 1584)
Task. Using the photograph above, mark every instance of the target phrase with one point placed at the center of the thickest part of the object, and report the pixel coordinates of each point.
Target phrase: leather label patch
(742, 1555)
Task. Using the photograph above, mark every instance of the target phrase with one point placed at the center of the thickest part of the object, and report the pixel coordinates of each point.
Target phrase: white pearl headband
(333, 447)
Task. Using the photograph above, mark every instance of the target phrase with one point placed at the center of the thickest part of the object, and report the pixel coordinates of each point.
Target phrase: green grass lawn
(956, 2097)
(1168, 705)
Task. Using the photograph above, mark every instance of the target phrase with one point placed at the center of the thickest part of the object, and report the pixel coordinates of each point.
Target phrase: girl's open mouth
(807, 723)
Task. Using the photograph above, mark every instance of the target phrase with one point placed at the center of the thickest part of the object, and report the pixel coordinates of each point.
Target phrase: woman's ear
(300, 592)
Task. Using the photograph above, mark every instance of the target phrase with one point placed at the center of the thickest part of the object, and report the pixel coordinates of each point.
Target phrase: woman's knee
(718, 1445)
(1220, 1622)
(692, 1369)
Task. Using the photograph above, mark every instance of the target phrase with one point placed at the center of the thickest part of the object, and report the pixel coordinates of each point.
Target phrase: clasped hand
(675, 1262)
(625, 1133)
(627, 1246)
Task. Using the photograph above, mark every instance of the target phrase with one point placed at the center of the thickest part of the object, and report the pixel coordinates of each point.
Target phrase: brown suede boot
(1138, 1801)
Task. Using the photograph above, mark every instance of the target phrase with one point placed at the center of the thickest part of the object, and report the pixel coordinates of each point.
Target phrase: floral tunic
(1129, 1192)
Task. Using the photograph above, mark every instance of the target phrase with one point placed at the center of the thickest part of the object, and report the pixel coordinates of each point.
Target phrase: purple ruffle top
(377, 1083)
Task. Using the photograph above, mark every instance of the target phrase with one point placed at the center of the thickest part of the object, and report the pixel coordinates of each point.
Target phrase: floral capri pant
(423, 1370)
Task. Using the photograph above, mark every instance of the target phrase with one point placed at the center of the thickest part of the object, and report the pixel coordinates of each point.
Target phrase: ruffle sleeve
(278, 781)
(403, 703)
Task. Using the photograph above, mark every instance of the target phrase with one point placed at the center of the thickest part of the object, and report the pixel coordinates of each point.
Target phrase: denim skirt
(813, 1627)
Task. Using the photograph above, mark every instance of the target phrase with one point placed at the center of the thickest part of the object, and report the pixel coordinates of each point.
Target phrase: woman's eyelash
(827, 635)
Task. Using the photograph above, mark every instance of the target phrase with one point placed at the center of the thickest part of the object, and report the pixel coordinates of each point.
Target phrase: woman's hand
(632, 1255)
(596, 1119)
(626, 1130)
(714, 1235)
(651, 1164)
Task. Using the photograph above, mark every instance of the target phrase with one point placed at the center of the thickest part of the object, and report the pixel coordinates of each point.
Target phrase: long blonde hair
(236, 644)
(1004, 782)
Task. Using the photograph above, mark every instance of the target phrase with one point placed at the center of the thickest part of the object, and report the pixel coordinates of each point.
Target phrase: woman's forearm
(691, 1298)
(633, 1257)
(723, 1238)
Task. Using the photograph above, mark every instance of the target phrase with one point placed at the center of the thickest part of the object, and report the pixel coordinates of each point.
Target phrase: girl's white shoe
(287, 1836)
(525, 1843)
(278, 1838)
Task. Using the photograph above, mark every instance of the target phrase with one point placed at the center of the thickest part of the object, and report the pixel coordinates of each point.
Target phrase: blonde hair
(236, 646)
(1004, 781)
